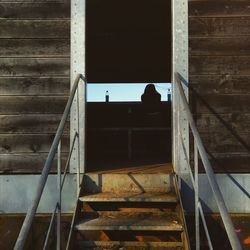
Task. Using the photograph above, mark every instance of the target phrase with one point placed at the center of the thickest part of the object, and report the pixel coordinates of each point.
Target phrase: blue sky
(122, 91)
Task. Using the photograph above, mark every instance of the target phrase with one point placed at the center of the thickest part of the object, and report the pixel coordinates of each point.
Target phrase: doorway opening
(127, 42)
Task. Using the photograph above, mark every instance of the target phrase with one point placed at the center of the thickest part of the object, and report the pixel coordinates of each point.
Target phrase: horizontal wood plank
(32, 105)
(219, 65)
(220, 84)
(229, 163)
(219, 104)
(34, 28)
(36, 1)
(213, 8)
(223, 142)
(215, 26)
(34, 47)
(49, 86)
(235, 123)
(37, 124)
(29, 143)
(211, 46)
(26, 163)
(34, 66)
(35, 9)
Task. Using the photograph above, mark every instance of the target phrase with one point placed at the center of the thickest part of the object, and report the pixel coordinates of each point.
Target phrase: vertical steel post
(58, 226)
(179, 64)
(196, 192)
(78, 142)
(77, 118)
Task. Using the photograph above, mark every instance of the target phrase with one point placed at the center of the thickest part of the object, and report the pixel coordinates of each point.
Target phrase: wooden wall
(34, 80)
(220, 78)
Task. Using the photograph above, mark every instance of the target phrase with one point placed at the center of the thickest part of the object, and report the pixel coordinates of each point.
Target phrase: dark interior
(128, 41)
(127, 134)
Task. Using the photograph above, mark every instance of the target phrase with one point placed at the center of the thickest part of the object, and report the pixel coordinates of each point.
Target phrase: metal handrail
(57, 207)
(46, 169)
(233, 238)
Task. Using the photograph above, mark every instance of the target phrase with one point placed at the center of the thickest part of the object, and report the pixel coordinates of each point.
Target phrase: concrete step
(143, 221)
(128, 245)
(127, 182)
(130, 197)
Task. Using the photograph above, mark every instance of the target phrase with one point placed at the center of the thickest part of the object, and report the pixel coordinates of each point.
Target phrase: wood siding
(219, 79)
(34, 81)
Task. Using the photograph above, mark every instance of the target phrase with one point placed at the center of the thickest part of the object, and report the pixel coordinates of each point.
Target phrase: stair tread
(146, 221)
(151, 244)
(130, 197)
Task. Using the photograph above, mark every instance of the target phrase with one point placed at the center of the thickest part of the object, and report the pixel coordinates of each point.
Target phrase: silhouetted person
(151, 117)
(150, 95)
(151, 101)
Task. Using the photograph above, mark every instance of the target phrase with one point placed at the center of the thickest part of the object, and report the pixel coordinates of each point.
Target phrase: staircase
(132, 208)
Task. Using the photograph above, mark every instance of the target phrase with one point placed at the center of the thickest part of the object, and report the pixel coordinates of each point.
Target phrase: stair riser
(128, 206)
(128, 183)
(128, 248)
(156, 236)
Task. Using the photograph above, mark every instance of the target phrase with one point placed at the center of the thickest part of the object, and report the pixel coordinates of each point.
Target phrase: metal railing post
(205, 227)
(59, 190)
(78, 143)
(179, 138)
(196, 180)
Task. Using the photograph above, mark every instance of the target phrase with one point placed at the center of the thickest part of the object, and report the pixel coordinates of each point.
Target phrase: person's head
(150, 89)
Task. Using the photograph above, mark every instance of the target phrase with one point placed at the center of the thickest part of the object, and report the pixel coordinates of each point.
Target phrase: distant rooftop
(123, 92)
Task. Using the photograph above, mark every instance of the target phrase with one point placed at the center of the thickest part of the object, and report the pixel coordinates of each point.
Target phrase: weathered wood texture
(219, 80)
(32, 104)
(35, 9)
(29, 143)
(27, 123)
(27, 163)
(34, 47)
(214, 8)
(34, 81)
(34, 28)
(34, 86)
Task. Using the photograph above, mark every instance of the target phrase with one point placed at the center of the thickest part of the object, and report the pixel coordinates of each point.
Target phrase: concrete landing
(125, 181)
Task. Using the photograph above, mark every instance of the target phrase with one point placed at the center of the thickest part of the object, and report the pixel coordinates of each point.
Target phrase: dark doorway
(128, 41)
